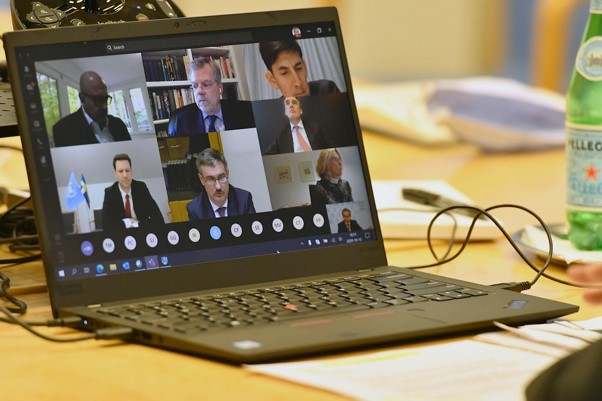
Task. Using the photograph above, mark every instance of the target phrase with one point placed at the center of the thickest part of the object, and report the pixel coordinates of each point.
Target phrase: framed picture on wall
(307, 171)
(283, 174)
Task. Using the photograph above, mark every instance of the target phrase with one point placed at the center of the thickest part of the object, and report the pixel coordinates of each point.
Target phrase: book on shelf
(166, 100)
(167, 68)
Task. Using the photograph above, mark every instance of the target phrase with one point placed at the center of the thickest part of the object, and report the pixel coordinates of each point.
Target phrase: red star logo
(591, 172)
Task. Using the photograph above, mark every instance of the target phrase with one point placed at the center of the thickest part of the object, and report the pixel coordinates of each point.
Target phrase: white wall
(242, 152)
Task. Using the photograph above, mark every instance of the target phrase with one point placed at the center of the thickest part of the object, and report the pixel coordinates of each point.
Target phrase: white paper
(400, 218)
(464, 370)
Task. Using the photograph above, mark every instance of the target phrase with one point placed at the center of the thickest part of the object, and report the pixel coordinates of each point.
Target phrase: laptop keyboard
(253, 307)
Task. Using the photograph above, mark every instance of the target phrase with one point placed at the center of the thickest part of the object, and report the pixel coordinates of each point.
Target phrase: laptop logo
(246, 344)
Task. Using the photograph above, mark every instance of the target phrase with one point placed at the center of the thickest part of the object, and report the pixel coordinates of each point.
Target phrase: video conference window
(182, 135)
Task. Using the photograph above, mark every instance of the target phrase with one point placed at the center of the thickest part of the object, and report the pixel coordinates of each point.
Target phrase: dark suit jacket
(354, 226)
(239, 202)
(188, 121)
(145, 207)
(74, 130)
(322, 87)
(325, 192)
(284, 140)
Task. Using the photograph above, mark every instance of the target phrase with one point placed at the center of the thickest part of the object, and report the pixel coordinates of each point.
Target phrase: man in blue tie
(218, 198)
(209, 112)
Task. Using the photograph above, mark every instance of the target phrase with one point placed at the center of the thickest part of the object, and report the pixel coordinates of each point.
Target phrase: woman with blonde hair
(331, 188)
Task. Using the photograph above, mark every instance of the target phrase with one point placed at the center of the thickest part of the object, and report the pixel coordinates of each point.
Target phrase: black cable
(109, 333)
(521, 286)
(17, 228)
(454, 229)
(11, 147)
(19, 307)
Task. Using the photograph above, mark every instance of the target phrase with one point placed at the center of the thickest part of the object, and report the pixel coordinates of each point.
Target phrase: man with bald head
(91, 123)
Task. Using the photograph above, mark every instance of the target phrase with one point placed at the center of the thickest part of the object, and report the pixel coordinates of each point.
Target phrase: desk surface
(36, 369)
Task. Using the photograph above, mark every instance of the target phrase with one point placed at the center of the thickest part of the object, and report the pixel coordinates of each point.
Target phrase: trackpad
(368, 323)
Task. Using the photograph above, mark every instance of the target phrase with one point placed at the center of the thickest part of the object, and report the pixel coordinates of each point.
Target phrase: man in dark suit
(298, 135)
(91, 123)
(287, 70)
(218, 197)
(348, 225)
(209, 113)
(128, 203)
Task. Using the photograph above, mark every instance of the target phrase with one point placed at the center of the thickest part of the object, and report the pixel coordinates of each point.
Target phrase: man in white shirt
(128, 202)
(298, 135)
(91, 123)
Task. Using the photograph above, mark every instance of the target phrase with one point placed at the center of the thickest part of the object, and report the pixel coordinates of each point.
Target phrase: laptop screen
(191, 158)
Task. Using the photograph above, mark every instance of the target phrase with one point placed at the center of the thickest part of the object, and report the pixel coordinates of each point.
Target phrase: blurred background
(534, 41)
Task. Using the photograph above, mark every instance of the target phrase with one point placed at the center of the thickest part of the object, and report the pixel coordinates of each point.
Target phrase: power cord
(17, 228)
(20, 307)
(107, 333)
(513, 286)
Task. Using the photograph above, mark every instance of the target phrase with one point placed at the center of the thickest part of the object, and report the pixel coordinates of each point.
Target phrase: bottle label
(584, 166)
(595, 6)
(589, 59)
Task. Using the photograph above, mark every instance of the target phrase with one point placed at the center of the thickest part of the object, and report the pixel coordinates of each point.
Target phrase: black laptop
(296, 266)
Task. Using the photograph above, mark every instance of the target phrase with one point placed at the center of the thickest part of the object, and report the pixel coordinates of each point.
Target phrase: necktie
(221, 211)
(348, 227)
(304, 145)
(128, 206)
(212, 119)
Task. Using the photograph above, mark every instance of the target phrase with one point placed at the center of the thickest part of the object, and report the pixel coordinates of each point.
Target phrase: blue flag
(84, 187)
(74, 194)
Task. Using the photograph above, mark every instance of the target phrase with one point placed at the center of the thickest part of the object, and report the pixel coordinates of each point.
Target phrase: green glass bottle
(584, 138)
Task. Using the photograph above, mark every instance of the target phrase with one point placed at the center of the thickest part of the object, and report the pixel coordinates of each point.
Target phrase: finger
(589, 274)
(592, 296)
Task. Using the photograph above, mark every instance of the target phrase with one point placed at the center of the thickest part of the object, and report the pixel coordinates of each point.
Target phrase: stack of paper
(490, 367)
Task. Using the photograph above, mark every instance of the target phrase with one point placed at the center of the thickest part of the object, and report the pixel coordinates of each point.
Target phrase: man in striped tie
(218, 197)
(298, 135)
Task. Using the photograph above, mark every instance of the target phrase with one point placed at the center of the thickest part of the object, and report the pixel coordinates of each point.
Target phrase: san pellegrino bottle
(584, 138)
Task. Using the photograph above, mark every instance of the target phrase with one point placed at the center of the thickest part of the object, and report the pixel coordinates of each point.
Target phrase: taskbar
(187, 258)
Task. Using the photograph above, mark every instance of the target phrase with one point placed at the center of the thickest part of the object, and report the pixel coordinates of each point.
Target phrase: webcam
(61, 13)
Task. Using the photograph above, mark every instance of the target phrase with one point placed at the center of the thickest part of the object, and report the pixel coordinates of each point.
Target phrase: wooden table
(34, 369)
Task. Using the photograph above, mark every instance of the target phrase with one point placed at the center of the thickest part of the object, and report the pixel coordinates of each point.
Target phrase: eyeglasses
(99, 100)
(222, 179)
(206, 85)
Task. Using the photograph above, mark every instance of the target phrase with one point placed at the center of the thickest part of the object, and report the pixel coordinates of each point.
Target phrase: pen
(432, 199)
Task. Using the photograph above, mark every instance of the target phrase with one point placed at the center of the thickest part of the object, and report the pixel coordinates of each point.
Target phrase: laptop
(282, 275)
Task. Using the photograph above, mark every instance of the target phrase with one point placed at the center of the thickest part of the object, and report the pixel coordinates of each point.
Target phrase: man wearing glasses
(209, 112)
(91, 123)
(218, 197)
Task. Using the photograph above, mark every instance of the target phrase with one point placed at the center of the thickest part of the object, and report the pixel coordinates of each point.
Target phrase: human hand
(589, 274)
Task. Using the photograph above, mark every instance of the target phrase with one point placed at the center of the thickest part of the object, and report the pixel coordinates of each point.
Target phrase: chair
(178, 211)
(312, 194)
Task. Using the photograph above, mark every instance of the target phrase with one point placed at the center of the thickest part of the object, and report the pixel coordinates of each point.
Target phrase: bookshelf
(168, 84)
